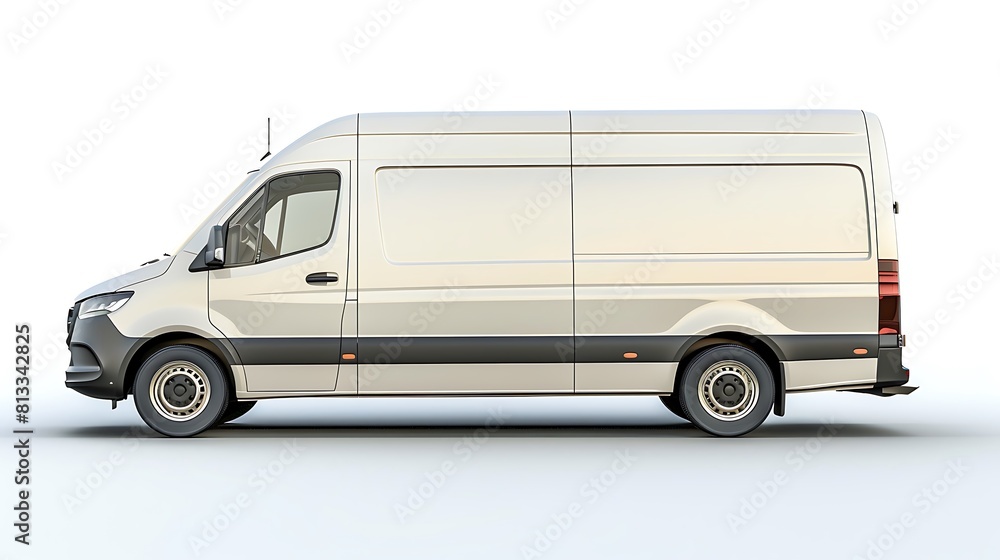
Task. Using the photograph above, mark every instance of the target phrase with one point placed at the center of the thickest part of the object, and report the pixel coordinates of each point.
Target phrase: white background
(199, 79)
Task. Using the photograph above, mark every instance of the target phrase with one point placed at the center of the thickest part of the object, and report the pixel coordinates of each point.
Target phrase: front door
(280, 296)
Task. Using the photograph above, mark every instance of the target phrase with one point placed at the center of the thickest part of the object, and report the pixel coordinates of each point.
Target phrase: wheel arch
(221, 354)
(762, 345)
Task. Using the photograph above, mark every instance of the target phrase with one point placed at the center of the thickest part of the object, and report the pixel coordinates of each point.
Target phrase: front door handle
(322, 277)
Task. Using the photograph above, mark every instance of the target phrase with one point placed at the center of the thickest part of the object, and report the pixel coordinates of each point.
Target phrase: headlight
(102, 305)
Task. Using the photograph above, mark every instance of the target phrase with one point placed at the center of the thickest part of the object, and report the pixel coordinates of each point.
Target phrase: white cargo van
(718, 260)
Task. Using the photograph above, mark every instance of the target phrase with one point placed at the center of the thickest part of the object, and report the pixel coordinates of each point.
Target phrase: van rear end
(892, 375)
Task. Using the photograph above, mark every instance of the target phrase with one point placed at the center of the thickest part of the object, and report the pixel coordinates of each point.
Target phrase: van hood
(141, 274)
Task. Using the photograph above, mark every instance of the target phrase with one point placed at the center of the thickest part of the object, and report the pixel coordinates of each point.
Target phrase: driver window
(298, 215)
(272, 227)
(242, 230)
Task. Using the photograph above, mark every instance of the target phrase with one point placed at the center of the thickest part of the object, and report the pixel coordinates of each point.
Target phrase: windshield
(198, 237)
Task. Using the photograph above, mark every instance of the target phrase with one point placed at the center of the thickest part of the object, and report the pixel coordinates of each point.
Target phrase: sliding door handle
(322, 278)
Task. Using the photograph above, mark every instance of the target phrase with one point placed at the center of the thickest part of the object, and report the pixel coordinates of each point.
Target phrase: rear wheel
(235, 410)
(181, 391)
(673, 404)
(727, 390)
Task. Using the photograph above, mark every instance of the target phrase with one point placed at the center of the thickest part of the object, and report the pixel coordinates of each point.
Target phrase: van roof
(791, 121)
(801, 120)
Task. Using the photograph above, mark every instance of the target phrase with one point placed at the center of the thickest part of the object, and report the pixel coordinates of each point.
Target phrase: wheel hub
(179, 391)
(728, 390)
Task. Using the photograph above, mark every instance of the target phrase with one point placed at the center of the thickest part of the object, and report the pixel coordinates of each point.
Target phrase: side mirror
(215, 251)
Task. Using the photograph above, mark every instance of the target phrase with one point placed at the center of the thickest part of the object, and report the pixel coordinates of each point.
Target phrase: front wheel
(180, 391)
(727, 390)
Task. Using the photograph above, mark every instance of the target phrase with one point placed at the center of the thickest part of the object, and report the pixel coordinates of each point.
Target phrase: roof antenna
(268, 139)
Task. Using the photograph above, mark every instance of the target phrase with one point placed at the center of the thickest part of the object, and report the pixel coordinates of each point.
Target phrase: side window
(300, 213)
(272, 223)
(291, 214)
(242, 232)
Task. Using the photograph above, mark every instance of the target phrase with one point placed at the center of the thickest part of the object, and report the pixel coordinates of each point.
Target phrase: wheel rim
(179, 391)
(728, 390)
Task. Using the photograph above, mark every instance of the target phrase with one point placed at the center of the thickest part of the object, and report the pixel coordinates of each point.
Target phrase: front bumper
(99, 355)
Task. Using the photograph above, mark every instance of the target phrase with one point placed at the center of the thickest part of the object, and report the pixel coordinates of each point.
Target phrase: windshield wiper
(154, 260)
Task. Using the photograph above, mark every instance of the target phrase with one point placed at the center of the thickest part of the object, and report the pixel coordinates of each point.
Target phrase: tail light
(888, 296)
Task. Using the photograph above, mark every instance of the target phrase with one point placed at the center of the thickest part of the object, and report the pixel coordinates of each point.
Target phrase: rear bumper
(891, 375)
(891, 372)
(99, 355)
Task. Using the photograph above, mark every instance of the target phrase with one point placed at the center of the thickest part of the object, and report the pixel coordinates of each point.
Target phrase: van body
(719, 260)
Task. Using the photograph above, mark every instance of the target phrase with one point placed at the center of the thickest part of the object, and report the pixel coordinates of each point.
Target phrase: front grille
(71, 322)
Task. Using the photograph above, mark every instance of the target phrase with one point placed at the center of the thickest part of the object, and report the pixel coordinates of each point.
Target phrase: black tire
(673, 404)
(721, 412)
(235, 410)
(181, 391)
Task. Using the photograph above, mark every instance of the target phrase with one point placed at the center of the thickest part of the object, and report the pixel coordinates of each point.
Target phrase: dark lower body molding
(528, 349)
